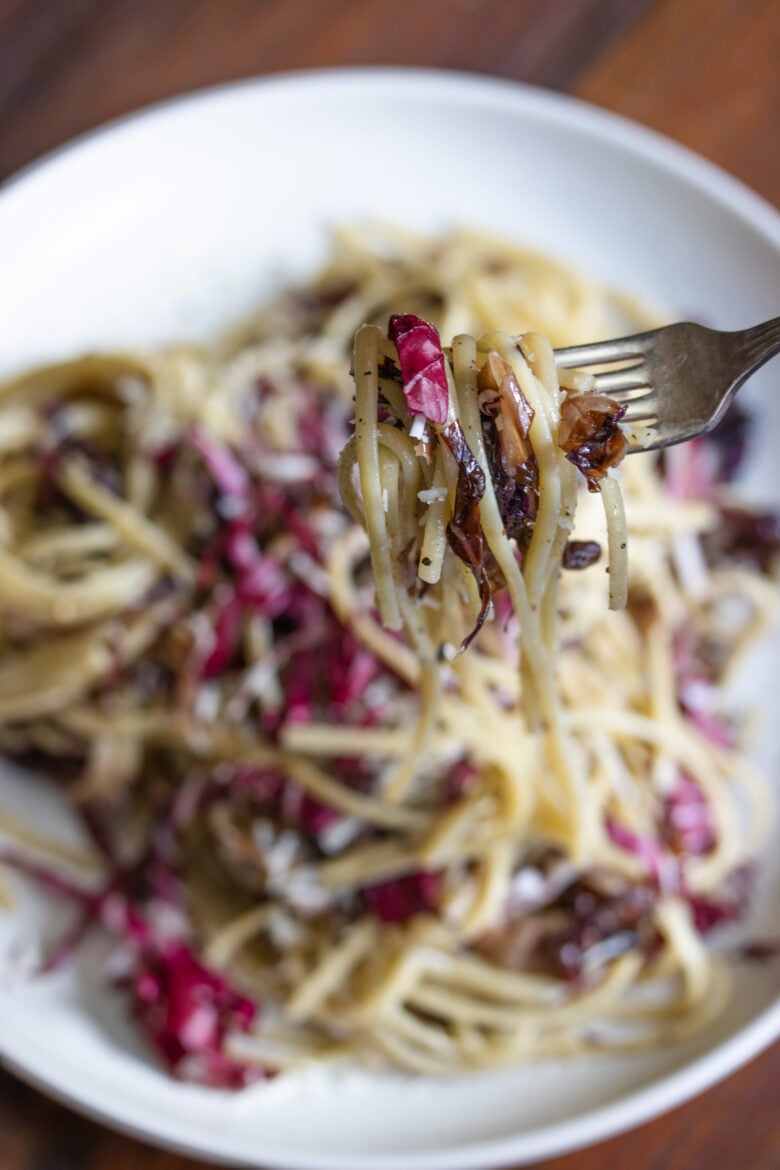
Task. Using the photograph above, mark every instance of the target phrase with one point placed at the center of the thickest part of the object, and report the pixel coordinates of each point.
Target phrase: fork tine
(633, 378)
(600, 352)
(631, 397)
(676, 382)
(643, 411)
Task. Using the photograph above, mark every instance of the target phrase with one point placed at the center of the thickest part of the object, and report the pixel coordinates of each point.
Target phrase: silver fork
(680, 379)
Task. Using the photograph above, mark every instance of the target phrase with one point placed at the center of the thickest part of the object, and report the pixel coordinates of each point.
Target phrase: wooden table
(706, 72)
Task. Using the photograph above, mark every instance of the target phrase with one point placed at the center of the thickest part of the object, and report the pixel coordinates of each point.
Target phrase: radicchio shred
(590, 435)
(187, 1012)
(617, 921)
(687, 830)
(400, 899)
(506, 423)
(422, 366)
(464, 531)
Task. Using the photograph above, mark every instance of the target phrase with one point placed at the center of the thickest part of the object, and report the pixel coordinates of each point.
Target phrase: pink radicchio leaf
(696, 693)
(271, 791)
(275, 501)
(462, 779)
(259, 579)
(305, 812)
(228, 474)
(187, 1011)
(48, 878)
(262, 785)
(52, 881)
(711, 727)
(123, 920)
(227, 628)
(353, 668)
(690, 470)
(731, 904)
(422, 363)
(653, 855)
(398, 900)
(688, 826)
(709, 914)
(93, 906)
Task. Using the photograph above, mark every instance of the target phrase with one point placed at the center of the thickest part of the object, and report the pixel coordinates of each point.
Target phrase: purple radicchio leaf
(591, 436)
(187, 1011)
(506, 423)
(229, 476)
(398, 900)
(422, 366)
(464, 531)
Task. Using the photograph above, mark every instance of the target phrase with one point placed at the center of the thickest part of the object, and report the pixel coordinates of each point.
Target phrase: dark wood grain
(734, 1126)
(707, 74)
(69, 65)
(704, 71)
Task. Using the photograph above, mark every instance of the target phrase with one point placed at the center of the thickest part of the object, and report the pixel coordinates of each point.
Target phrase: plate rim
(671, 1089)
(594, 1126)
(634, 136)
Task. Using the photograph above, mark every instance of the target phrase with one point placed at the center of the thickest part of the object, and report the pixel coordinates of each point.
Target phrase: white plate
(173, 222)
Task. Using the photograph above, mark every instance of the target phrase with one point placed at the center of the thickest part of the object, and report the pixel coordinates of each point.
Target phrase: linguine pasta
(389, 780)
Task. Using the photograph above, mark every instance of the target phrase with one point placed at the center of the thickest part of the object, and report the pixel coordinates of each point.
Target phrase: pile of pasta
(364, 792)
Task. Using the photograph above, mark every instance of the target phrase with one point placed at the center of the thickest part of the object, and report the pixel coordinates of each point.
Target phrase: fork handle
(755, 346)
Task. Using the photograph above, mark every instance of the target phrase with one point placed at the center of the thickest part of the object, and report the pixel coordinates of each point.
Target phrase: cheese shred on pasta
(388, 744)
